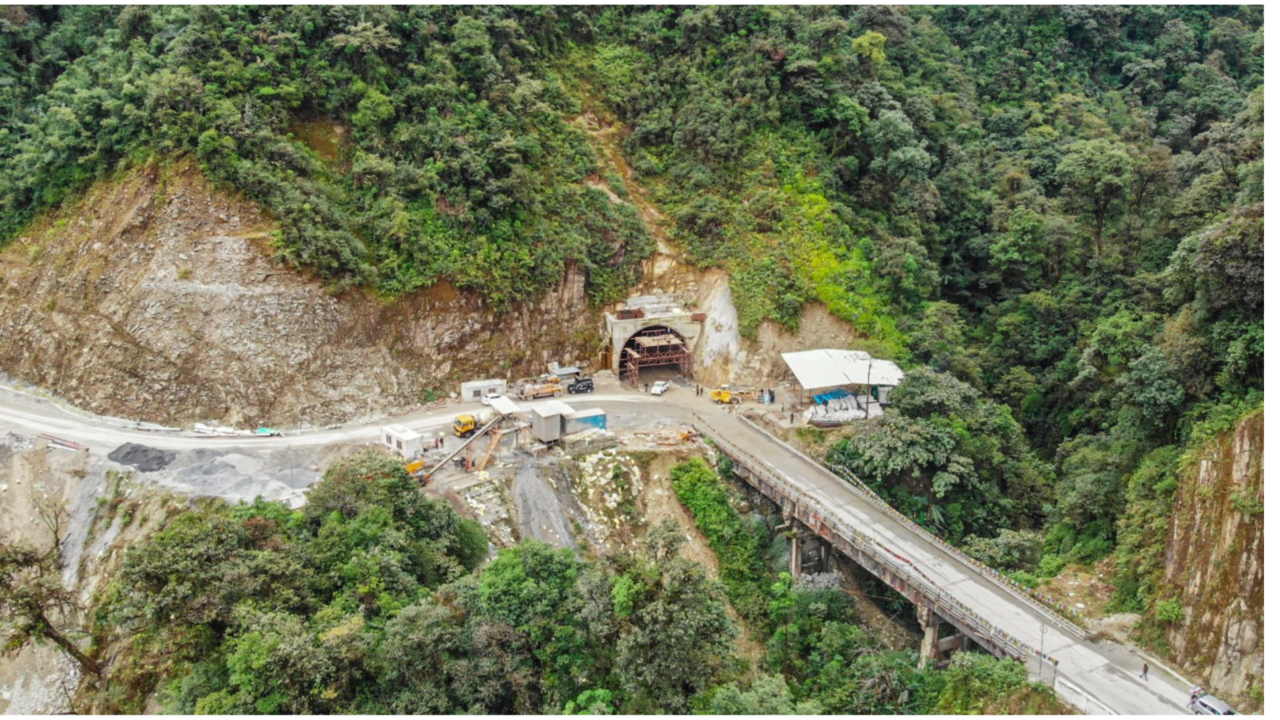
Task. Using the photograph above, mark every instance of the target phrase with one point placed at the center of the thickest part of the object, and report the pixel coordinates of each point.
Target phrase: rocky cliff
(1213, 564)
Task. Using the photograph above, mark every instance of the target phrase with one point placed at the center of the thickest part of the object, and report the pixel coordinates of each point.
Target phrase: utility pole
(1040, 668)
(868, 415)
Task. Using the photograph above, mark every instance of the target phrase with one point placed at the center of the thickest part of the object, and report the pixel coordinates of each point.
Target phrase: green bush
(1169, 611)
(1051, 565)
(1025, 578)
(740, 552)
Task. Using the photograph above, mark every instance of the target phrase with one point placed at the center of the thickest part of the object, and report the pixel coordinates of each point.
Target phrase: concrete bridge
(960, 603)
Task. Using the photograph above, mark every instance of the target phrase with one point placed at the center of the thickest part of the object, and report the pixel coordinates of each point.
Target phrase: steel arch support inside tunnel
(651, 347)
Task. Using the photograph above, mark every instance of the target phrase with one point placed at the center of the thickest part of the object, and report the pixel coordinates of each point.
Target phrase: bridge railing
(1036, 599)
(941, 599)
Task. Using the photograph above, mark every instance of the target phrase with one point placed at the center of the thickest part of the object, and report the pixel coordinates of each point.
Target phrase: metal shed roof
(504, 405)
(401, 432)
(552, 408)
(831, 368)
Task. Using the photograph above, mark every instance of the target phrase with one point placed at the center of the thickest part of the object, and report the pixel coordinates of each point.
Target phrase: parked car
(489, 396)
(1202, 703)
(582, 385)
(659, 387)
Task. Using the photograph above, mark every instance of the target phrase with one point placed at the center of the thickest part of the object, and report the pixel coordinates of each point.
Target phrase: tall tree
(1095, 175)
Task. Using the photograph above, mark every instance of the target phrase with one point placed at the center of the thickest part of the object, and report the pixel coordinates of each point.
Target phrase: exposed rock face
(1213, 563)
(155, 297)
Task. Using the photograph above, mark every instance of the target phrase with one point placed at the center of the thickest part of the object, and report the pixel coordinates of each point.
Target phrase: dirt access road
(1106, 671)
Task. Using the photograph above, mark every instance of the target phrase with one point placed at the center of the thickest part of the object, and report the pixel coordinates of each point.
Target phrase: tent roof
(832, 368)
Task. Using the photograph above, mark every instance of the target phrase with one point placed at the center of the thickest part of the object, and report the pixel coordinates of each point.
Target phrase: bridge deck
(1104, 671)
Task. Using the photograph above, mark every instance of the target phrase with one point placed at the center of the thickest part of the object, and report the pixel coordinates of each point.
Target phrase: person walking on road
(1144, 671)
(646, 387)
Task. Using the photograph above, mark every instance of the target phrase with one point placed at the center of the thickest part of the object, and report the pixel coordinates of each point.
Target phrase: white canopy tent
(815, 369)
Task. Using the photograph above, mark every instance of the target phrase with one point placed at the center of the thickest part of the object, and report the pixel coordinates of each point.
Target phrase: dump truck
(545, 386)
(732, 394)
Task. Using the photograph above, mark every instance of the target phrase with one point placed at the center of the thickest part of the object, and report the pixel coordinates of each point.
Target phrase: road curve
(1106, 671)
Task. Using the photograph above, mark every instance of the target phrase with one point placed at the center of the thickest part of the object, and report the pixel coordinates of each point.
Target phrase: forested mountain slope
(1052, 214)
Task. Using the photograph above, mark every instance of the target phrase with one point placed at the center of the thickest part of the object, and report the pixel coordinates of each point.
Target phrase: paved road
(1106, 671)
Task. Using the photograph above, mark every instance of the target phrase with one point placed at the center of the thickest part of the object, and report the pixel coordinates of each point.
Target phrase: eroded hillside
(154, 296)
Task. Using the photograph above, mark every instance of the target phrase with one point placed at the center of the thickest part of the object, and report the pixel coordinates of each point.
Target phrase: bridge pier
(797, 551)
(930, 623)
(933, 647)
(803, 541)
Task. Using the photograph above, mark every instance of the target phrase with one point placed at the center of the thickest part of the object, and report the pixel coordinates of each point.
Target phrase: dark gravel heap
(144, 458)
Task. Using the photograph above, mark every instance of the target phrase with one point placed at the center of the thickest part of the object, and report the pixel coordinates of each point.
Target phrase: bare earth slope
(154, 296)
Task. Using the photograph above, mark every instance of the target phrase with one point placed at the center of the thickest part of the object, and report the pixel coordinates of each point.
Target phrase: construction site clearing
(521, 487)
(509, 454)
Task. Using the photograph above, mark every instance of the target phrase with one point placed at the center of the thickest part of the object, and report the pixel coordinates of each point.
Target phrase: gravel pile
(145, 459)
(16, 442)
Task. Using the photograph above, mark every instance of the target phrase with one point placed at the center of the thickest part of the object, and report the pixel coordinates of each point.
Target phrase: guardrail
(1038, 600)
(940, 598)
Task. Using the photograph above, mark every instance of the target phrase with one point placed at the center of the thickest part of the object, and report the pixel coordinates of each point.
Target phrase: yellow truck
(545, 386)
(466, 425)
(732, 394)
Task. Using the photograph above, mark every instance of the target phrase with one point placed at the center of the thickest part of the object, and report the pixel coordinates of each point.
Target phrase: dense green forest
(369, 600)
(1052, 215)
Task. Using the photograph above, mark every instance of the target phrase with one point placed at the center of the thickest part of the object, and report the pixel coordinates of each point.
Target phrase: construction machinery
(544, 386)
(466, 424)
(732, 394)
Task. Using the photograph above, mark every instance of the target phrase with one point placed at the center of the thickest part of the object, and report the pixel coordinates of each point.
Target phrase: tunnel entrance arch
(653, 347)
